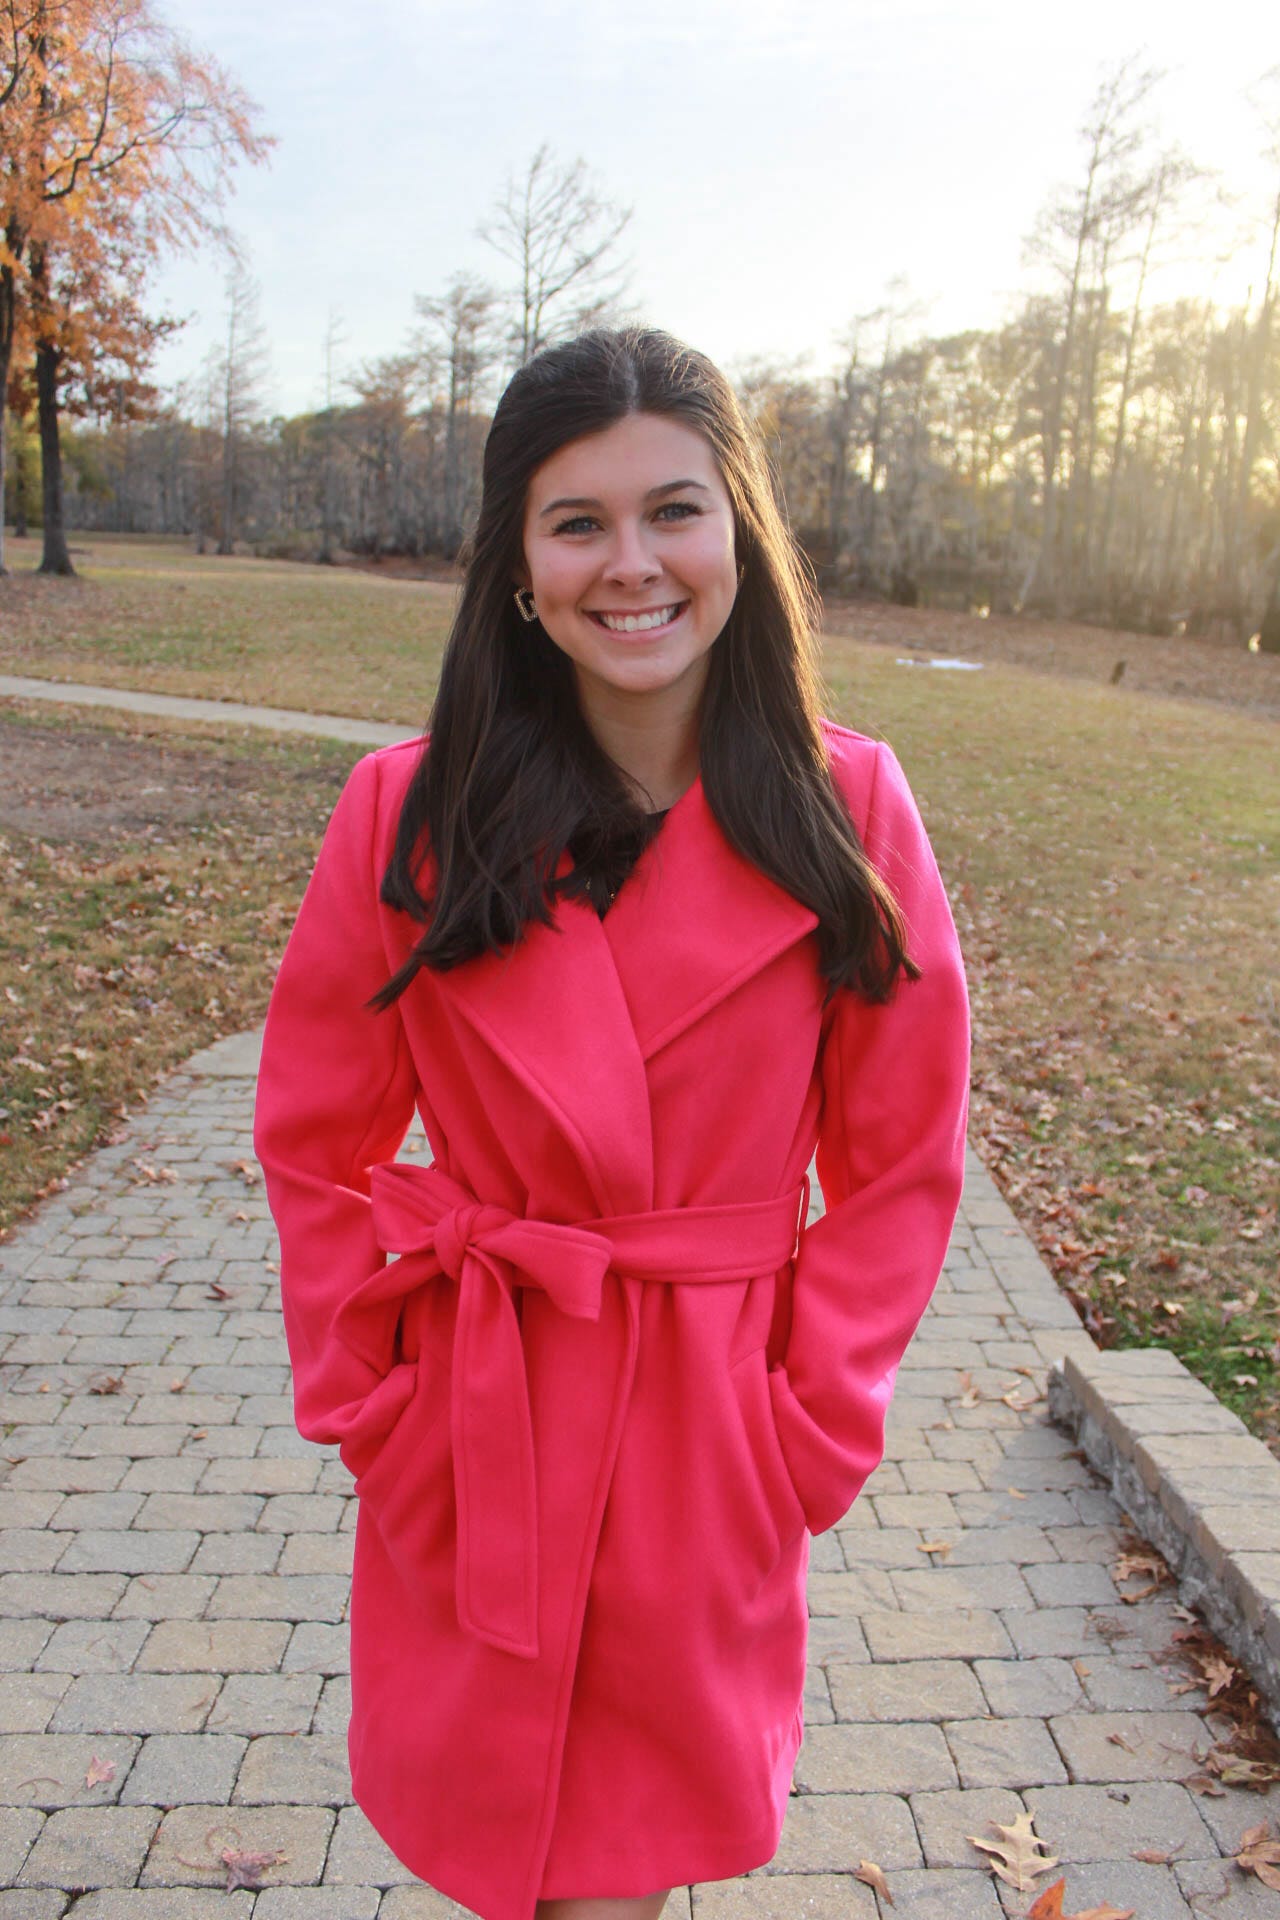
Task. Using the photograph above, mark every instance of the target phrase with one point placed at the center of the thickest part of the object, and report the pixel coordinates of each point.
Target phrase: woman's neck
(657, 751)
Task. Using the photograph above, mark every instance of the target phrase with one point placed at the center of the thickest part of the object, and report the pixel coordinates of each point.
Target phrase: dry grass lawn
(147, 881)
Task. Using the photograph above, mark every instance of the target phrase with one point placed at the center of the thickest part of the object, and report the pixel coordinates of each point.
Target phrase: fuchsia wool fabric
(602, 1393)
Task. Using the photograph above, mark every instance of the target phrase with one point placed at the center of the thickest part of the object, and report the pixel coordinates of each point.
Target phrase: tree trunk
(452, 502)
(226, 539)
(20, 452)
(1126, 388)
(1045, 581)
(8, 320)
(4, 420)
(1269, 637)
(56, 557)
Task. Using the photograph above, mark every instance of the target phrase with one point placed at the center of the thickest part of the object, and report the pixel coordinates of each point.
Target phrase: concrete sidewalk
(172, 1643)
(232, 713)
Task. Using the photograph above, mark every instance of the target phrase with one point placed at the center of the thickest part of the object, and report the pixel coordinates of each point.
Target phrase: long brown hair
(514, 776)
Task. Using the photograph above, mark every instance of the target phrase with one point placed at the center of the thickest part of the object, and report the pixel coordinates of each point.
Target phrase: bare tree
(1172, 173)
(1260, 334)
(461, 332)
(560, 236)
(243, 368)
(1086, 219)
(334, 339)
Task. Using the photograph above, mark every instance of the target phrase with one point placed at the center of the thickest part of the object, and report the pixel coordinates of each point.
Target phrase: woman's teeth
(638, 622)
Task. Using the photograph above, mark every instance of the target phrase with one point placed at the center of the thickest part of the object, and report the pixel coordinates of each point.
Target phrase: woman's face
(629, 552)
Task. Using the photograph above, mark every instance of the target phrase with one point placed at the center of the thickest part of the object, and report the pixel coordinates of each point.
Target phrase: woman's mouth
(652, 621)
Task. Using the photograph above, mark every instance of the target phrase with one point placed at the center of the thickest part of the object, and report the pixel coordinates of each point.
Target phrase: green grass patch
(157, 617)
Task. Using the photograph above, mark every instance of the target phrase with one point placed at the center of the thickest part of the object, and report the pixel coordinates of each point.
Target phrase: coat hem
(694, 1868)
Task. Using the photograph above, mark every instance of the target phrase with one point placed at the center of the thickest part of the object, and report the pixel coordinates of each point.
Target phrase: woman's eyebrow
(654, 493)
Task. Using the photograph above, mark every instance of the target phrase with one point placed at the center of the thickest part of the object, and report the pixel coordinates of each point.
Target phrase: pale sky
(781, 174)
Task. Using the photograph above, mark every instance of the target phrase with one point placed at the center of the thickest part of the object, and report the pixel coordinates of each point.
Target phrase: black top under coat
(606, 876)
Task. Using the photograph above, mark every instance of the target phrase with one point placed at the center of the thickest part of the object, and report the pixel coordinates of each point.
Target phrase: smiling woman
(629, 562)
(614, 1380)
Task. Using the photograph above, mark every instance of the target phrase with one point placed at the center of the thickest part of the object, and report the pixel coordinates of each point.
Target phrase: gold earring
(524, 602)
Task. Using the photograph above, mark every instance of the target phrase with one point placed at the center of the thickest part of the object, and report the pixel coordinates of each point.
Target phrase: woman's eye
(671, 514)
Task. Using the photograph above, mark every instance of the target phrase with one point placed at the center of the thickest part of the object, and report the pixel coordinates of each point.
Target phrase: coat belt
(438, 1228)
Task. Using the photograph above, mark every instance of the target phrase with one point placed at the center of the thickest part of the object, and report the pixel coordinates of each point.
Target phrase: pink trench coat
(599, 1401)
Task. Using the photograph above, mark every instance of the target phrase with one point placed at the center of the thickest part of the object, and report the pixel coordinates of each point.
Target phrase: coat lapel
(693, 923)
(577, 1008)
(553, 1010)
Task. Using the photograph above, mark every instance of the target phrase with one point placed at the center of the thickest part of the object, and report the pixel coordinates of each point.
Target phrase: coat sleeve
(890, 1159)
(335, 1097)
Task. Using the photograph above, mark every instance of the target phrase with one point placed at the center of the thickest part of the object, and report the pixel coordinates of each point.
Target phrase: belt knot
(463, 1228)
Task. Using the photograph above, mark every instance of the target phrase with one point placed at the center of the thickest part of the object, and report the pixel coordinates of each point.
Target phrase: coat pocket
(406, 1486)
(750, 1377)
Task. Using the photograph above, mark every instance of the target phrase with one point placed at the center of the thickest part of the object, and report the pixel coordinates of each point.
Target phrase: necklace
(603, 887)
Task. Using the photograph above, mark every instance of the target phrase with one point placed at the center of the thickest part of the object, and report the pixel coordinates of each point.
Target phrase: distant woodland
(1101, 454)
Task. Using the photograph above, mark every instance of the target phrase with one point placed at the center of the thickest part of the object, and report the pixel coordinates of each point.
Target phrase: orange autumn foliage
(117, 142)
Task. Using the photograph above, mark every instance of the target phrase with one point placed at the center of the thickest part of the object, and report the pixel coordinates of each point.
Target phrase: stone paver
(175, 1567)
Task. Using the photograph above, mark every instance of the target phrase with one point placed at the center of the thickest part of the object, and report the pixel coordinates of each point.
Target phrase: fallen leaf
(153, 1176)
(107, 1383)
(1237, 1772)
(1122, 1740)
(249, 1174)
(99, 1771)
(1218, 1673)
(1135, 1561)
(1141, 1560)
(1049, 1907)
(1152, 1857)
(1260, 1854)
(1141, 1593)
(1017, 1853)
(871, 1876)
(943, 1547)
(246, 1869)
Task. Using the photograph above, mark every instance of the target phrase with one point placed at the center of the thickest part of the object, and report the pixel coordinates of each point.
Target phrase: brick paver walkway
(175, 1574)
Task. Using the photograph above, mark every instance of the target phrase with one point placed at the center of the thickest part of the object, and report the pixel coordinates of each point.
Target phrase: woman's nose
(632, 560)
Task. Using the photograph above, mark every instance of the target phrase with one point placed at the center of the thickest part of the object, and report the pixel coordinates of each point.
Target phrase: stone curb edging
(1195, 1483)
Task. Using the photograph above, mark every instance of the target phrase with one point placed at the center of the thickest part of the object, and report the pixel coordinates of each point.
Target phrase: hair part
(514, 776)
